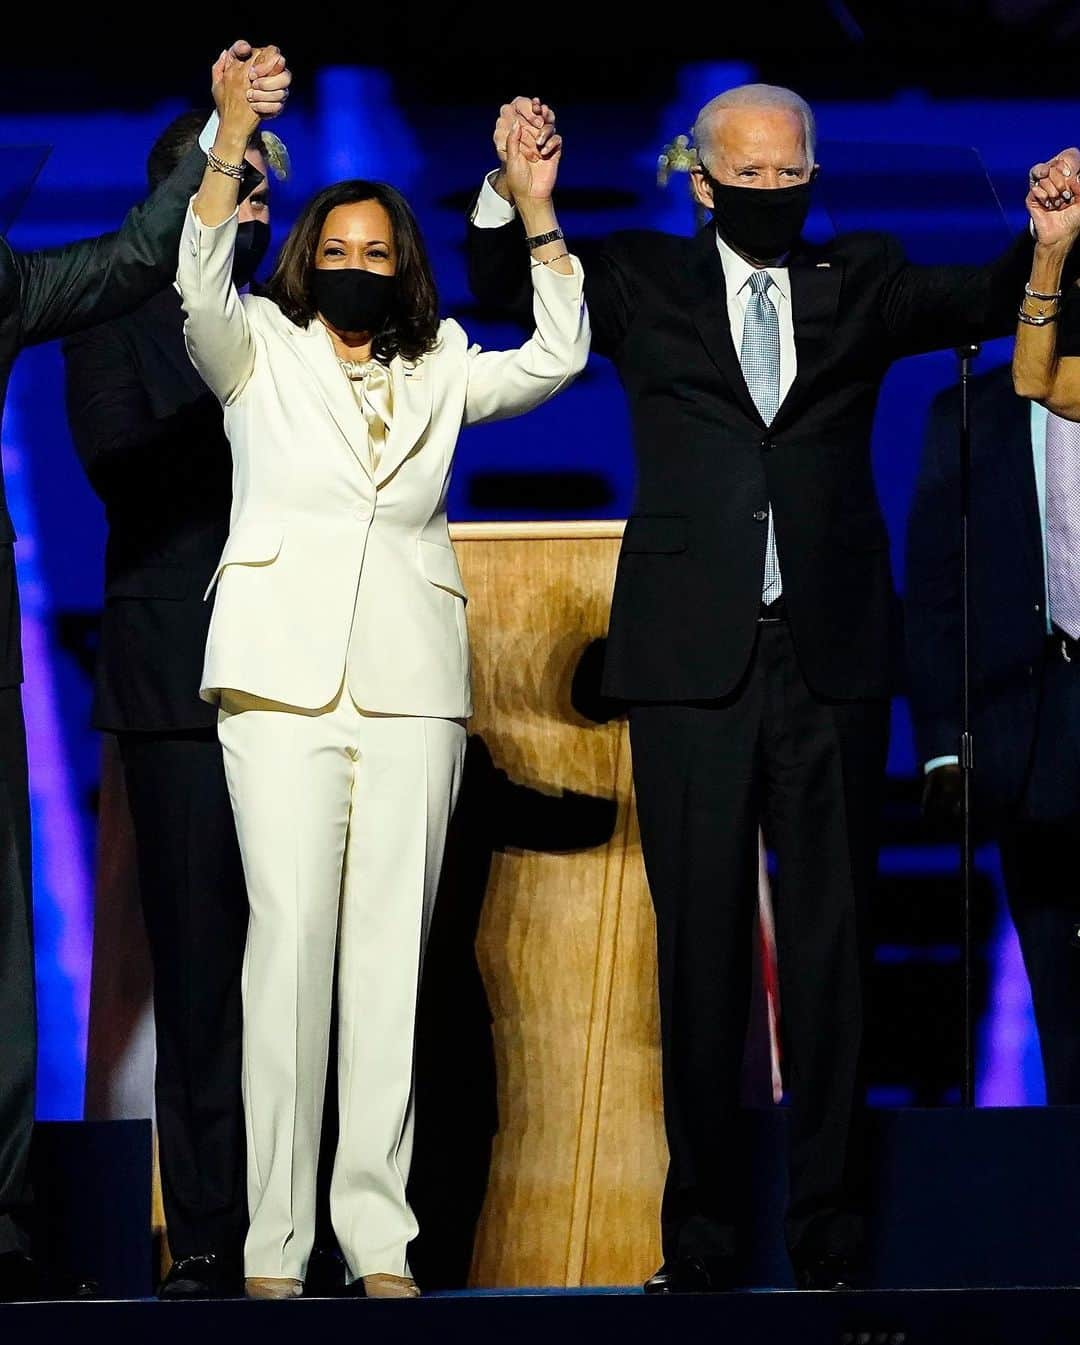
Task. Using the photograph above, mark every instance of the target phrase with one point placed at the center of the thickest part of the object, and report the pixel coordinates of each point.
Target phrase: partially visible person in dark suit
(150, 436)
(1025, 686)
(44, 295)
(753, 631)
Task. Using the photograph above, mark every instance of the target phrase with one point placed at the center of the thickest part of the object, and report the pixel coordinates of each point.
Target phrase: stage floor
(577, 1317)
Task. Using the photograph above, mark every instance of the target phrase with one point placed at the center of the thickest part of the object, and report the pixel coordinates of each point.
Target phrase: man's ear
(814, 172)
(701, 188)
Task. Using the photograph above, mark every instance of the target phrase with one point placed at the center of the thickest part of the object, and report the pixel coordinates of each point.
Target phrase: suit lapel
(336, 389)
(411, 415)
(707, 300)
(815, 294)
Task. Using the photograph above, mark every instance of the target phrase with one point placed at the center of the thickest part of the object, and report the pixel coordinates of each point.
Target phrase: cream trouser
(342, 820)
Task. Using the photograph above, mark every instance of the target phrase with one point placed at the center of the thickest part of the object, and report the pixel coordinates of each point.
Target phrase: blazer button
(760, 515)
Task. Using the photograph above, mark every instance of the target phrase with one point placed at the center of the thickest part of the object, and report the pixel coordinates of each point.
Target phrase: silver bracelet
(219, 165)
(1034, 294)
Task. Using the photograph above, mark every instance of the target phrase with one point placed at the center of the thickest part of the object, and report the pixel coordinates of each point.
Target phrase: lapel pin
(824, 266)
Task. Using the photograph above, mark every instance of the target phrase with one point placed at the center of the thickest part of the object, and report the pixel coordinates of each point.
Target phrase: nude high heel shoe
(390, 1286)
(260, 1286)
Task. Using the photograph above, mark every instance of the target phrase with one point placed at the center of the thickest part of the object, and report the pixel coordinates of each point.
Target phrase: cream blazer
(317, 538)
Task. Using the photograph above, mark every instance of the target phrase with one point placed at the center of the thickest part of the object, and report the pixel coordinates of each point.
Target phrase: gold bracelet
(559, 258)
(1040, 312)
(219, 165)
(1036, 322)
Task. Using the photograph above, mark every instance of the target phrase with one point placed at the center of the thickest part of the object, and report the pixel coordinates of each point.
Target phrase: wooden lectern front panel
(566, 941)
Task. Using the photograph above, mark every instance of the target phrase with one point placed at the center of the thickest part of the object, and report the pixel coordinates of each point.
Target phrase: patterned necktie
(372, 382)
(1063, 522)
(759, 356)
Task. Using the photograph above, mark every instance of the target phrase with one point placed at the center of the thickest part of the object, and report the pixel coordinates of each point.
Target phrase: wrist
(538, 217)
(1051, 255)
(500, 185)
(230, 143)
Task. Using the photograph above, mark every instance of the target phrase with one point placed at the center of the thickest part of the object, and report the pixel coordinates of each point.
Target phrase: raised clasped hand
(249, 84)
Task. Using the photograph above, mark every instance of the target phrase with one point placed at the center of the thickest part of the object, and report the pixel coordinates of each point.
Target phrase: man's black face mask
(761, 222)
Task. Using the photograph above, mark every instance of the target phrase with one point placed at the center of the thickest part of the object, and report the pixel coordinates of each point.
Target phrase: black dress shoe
(828, 1271)
(693, 1275)
(203, 1276)
(24, 1280)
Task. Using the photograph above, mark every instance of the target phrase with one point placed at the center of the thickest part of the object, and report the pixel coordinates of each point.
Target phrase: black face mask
(252, 240)
(762, 222)
(352, 299)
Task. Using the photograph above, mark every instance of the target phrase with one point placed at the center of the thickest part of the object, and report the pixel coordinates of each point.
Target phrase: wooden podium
(566, 941)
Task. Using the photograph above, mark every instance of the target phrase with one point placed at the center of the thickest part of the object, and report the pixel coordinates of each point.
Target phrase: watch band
(539, 240)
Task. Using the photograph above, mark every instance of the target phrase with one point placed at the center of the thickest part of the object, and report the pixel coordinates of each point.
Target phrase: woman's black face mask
(762, 222)
(353, 299)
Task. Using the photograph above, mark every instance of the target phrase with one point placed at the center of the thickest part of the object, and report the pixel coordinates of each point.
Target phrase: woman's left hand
(531, 179)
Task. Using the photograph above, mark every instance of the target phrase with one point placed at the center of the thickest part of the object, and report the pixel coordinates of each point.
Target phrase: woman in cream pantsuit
(339, 657)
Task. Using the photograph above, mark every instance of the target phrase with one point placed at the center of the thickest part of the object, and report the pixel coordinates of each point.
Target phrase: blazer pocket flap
(248, 544)
(658, 534)
(440, 567)
(152, 581)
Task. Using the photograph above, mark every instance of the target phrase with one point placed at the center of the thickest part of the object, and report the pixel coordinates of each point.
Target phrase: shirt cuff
(491, 211)
(935, 762)
(209, 133)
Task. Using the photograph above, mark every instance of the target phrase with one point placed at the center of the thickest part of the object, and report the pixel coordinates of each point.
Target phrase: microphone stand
(965, 354)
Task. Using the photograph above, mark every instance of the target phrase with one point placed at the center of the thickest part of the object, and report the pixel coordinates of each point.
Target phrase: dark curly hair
(412, 327)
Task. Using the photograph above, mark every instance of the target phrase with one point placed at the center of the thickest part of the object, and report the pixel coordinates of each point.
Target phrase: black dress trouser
(811, 772)
(195, 905)
(1039, 845)
(18, 1016)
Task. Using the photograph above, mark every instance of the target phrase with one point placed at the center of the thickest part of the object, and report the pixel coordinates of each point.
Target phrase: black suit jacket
(689, 578)
(151, 438)
(1005, 550)
(56, 291)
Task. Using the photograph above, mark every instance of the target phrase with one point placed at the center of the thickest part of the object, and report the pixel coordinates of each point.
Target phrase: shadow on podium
(959, 1199)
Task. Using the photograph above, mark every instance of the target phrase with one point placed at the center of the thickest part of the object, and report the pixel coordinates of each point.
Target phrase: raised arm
(1042, 371)
(216, 331)
(498, 260)
(65, 289)
(933, 307)
(506, 383)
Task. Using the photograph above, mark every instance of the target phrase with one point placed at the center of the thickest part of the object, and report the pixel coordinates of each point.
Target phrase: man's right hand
(537, 122)
(942, 800)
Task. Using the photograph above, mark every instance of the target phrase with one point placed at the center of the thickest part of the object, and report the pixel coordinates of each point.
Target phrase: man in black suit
(151, 438)
(44, 295)
(1025, 687)
(753, 631)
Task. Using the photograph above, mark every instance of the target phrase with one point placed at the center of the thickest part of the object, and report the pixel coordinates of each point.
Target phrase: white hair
(755, 95)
